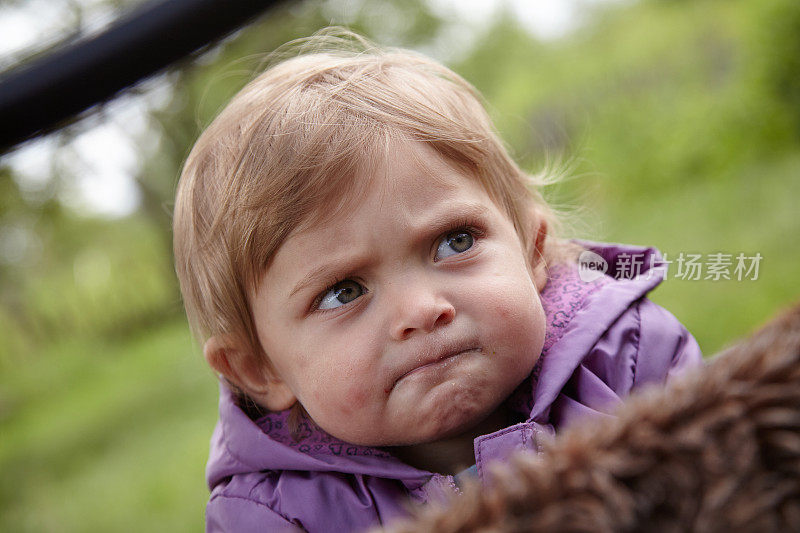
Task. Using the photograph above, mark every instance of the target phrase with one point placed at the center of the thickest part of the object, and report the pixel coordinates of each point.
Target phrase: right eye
(340, 294)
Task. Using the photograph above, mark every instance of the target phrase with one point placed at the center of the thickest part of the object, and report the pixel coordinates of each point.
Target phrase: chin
(427, 433)
(458, 420)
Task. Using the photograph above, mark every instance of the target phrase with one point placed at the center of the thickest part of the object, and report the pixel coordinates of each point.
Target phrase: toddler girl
(381, 292)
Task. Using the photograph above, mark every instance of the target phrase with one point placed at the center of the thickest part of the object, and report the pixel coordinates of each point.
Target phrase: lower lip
(441, 363)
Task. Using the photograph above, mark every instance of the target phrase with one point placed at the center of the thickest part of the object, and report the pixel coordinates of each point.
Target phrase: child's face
(408, 318)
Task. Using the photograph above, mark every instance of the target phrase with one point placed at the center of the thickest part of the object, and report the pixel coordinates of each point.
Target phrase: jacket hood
(240, 445)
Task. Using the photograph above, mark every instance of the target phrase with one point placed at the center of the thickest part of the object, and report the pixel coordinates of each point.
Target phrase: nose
(418, 308)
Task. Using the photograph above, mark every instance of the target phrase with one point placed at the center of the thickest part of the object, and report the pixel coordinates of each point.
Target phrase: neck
(452, 454)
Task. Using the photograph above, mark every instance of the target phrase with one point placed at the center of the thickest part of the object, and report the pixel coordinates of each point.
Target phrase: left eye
(340, 294)
(454, 243)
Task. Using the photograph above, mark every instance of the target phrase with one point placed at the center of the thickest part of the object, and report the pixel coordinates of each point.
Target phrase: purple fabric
(603, 339)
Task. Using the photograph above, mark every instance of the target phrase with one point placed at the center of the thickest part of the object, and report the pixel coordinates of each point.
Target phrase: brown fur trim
(717, 450)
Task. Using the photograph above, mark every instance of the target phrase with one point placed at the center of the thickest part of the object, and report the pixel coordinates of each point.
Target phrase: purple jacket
(603, 339)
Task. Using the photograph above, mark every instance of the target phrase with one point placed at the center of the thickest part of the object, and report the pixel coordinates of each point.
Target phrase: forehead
(411, 186)
(390, 174)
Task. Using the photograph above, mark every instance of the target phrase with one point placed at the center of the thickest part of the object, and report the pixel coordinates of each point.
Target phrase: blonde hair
(291, 141)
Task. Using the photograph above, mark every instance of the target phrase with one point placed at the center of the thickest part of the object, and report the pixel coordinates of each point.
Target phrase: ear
(242, 368)
(536, 250)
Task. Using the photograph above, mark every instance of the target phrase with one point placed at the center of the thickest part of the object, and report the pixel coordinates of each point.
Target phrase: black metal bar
(38, 97)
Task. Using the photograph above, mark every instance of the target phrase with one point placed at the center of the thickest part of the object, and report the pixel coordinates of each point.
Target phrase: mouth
(439, 358)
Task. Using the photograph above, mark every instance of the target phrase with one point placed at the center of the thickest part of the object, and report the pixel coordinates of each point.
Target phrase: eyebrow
(450, 214)
(454, 213)
(322, 272)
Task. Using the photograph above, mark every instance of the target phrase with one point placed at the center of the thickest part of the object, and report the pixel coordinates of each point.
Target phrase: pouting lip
(442, 352)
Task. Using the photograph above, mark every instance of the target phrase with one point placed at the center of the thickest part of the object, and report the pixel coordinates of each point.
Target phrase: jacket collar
(631, 273)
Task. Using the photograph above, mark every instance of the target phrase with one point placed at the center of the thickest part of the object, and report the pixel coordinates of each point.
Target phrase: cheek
(511, 308)
(354, 399)
(506, 309)
(511, 298)
(347, 411)
(341, 391)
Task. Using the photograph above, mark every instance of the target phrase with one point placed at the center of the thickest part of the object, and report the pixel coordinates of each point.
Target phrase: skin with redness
(407, 317)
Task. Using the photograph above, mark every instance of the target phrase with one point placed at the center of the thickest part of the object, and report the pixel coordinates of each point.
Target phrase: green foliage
(89, 278)
(778, 48)
(658, 96)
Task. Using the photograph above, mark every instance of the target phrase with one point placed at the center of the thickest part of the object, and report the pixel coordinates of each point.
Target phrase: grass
(108, 436)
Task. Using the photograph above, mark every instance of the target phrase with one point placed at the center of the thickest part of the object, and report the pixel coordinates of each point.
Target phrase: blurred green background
(678, 121)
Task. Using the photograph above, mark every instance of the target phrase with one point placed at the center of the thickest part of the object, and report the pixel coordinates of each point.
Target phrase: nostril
(445, 316)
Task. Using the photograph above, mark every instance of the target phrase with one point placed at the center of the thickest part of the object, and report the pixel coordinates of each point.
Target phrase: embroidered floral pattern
(563, 295)
(311, 439)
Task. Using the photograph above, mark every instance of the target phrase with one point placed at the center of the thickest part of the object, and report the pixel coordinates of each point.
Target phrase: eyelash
(329, 285)
(467, 225)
